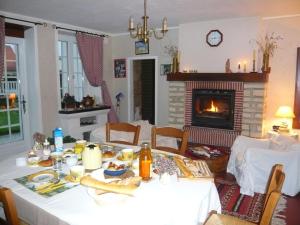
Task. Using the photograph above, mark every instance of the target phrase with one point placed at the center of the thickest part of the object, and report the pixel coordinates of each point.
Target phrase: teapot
(92, 157)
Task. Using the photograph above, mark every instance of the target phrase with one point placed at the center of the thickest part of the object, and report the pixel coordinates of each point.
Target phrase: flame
(212, 108)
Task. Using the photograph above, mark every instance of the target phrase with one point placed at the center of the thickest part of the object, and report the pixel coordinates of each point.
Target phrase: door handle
(23, 102)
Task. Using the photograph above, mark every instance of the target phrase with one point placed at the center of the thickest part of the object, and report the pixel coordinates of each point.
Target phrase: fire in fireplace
(213, 108)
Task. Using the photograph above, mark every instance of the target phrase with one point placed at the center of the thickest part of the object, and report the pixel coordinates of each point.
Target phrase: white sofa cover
(251, 161)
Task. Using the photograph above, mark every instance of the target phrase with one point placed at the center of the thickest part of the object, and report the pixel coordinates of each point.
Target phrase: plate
(107, 198)
(42, 177)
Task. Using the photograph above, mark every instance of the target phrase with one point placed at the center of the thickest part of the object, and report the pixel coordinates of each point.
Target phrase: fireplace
(213, 108)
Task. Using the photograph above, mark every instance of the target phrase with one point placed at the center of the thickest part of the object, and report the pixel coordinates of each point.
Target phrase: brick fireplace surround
(249, 109)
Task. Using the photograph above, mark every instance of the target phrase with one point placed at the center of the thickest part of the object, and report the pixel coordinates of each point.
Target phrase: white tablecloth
(179, 202)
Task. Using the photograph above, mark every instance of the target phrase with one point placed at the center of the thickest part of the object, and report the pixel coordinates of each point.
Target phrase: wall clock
(214, 38)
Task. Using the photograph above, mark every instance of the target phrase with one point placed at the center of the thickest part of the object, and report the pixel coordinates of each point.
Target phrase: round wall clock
(214, 38)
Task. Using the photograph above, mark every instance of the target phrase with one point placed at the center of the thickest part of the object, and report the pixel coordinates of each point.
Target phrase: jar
(92, 157)
(145, 162)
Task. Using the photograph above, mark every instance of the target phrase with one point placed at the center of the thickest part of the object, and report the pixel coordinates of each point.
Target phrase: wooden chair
(276, 180)
(173, 133)
(220, 219)
(10, 211)
(125, 127)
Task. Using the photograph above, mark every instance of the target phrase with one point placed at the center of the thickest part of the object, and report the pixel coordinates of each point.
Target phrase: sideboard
(79, 123)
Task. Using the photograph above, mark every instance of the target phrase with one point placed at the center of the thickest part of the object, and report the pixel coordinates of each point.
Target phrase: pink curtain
(91, 53)
(2, 46)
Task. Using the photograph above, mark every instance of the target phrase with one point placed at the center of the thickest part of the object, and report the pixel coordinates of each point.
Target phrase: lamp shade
(285, 112)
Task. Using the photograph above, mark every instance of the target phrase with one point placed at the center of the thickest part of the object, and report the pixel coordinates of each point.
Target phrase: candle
(254, 55)
(164, 25)
(245, 63)
(239, 66)
(131, 23)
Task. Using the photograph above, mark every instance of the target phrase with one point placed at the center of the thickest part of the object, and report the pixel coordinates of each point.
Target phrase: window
(72, 78)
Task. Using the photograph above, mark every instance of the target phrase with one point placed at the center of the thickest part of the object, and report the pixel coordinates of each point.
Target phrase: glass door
(13, 110)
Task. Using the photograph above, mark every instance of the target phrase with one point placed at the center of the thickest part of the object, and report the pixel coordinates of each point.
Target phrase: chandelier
(142, 32)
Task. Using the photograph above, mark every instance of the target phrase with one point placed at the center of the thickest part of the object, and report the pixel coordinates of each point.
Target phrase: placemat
(46, 183)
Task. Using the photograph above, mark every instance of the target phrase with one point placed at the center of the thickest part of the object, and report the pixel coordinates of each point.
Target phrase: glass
(145, 162)
(57, 160)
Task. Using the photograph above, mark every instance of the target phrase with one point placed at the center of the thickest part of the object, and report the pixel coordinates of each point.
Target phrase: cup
(71, 160)
(127, 154)
(33, 161)
(57, 158)
(77, 172)
(21, 161)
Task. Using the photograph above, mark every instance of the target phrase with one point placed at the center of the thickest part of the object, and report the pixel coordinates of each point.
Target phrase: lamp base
(283, 130)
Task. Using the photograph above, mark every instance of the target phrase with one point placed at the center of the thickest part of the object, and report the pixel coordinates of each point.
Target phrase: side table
(216, 163)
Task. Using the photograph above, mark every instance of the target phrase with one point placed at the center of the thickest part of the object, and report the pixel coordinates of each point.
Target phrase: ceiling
(111, 16)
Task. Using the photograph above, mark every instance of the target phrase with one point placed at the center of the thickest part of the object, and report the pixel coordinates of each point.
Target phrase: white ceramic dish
(106, 198)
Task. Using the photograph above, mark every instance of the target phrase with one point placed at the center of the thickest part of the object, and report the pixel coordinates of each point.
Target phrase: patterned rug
(247, 207)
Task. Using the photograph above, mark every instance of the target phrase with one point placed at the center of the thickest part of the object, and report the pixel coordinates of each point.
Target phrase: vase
(265, 67)
(175, 65)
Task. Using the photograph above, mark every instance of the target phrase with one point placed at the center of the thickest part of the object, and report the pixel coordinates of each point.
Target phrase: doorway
(14, 127)
(142, 85)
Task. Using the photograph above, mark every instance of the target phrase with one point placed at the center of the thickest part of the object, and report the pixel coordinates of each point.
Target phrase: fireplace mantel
(243, 77)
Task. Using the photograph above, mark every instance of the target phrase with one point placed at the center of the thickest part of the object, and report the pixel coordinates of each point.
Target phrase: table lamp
(286, 113)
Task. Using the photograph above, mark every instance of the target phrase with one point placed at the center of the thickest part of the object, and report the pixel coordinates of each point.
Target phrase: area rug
(246, 207)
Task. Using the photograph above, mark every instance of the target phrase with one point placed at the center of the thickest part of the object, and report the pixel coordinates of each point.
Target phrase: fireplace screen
(213, 108)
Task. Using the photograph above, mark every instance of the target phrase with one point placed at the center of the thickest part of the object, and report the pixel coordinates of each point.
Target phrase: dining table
(179, 201)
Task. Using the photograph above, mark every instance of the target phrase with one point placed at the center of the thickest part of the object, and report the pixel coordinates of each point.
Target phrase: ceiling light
(142, 32)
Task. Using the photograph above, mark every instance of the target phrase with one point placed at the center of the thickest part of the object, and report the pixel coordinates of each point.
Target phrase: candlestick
(253, 65)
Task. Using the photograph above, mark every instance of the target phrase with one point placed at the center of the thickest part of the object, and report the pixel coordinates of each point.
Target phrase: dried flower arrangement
(171, 50)
(269, 43)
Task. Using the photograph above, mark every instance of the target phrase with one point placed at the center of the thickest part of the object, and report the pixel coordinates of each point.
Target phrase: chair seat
(221, 219)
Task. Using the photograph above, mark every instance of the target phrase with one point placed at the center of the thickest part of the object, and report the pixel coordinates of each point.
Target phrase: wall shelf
(242, 77)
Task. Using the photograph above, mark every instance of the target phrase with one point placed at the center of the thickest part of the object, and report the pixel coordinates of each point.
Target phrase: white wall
(123, 47)
(237, 33)
(281, 86)
(197, 54)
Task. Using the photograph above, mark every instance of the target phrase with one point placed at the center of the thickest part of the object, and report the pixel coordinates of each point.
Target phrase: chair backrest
(10, 211)
(173, 133)
(125, 127)
(270, 207)
(276, 180)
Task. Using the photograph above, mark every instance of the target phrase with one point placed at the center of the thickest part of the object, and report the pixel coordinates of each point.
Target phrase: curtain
(2, 46)
(90, 49)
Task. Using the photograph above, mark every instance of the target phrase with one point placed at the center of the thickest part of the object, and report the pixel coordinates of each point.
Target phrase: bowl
(114, 169)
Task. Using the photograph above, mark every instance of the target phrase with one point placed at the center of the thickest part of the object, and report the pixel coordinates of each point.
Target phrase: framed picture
(141, 48)
(120, 68)
(165, 69)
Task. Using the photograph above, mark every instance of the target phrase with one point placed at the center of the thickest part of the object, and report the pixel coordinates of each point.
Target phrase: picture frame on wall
(141, 47)
(120, 68)
(165, 69)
